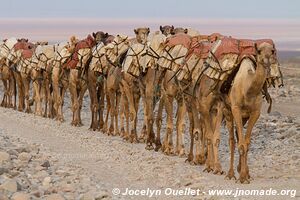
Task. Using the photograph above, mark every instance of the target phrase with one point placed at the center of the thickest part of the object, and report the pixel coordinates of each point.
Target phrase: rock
(276, 114)
(11, 186)
(67, 188)
(46, 164)
(54, 197)
(4, 156)
(101, 195)
(3, 197)
(87, 196)
(37, 193)
(20, 196)
(24, 156)
(12, 152)
(3, 170)
(47, 181)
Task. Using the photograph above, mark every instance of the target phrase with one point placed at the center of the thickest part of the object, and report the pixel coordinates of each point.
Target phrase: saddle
(87, 43)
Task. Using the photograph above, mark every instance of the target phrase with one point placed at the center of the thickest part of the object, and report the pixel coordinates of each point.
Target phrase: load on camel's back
(81, 53)
(175, 49)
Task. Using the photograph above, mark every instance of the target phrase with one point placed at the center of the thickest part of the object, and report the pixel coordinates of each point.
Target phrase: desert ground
(43, 159)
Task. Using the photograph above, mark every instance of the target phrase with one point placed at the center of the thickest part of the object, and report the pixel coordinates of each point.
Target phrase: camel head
(141, 34)
(265, 53)
(22, 40)
(180, 30)
(100, 36)
(166, 30)
(41, 43)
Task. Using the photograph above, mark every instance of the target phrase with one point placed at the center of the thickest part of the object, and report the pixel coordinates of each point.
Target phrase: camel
(171, 91)
(59, 76)
(96, 74)
(131, 85)
(78, 74)
(8, 83)
(13, 57)
(113, 86)
(245, 101)
(43, 57)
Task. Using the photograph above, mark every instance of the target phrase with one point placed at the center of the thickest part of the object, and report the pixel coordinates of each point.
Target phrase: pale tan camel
(130, 86)
(115, 54)
(63, 52)
(78, 78)
(245, 100)
(12, 60)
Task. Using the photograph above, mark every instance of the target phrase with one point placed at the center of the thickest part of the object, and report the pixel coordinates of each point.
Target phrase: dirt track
(109, 162)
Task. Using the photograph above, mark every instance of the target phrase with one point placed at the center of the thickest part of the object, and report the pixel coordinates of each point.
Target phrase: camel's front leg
(74, 96)
(230, 127)
(180, 126)
(26, 82)
(236, 112)
(20, 86)
(37, 88)
(81, 92)
(216, 138)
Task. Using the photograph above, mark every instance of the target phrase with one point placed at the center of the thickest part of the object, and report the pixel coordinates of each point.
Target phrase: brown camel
(245, 100)
(8, 83)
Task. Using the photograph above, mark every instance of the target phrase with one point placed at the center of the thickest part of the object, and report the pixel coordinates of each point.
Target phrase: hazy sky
(57, 20)
(152, 8)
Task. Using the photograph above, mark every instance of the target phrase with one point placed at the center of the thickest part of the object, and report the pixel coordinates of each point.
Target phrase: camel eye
(273, 51)
(259, 51)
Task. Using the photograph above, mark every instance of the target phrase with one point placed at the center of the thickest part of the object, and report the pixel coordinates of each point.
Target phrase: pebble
(20, 196)
(4, 156)
(24, 156)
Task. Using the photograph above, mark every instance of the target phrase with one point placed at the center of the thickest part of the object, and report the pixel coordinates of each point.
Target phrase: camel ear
(106, 34)
(161, 28)
(46, 43)
(185, 31)
(135, 31)
(172, 27)
(19, 40)
(26, 40)
(148, 29)
(94, 35)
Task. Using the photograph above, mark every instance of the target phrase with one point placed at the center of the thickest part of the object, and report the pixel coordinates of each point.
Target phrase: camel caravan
(213, 80)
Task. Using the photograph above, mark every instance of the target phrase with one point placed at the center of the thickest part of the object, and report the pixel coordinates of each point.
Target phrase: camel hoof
(149, 147)
(157, 147)
(180, 153)
(200, 160)
(218, 172)
(242, 181)
(208, 169)
(230, 176)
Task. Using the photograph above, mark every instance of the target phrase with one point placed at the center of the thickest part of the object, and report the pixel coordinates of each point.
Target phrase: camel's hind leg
(26, 82)
(158, 124)
(73, 80)
(21, 103)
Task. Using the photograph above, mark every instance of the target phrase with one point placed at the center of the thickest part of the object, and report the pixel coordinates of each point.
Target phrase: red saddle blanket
(179, 39)
(87, 43)
(200, 49)
(27, 53)
(228, 45)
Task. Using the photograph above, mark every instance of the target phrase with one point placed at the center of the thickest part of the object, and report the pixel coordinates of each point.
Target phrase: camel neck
(258, 81)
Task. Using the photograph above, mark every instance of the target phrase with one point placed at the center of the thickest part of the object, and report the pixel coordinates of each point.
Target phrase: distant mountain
(289, 55)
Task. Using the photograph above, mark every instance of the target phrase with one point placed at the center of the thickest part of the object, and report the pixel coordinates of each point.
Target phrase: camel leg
(168, 140)
(117, 114)
(74, 96)
(158, 124)
(4, 102)
(26, 83)
(93, 105)
(208, 138)
(216, 139)
(191, 132)
(230, 127)
(37, 88)
(236, 111)
(101, 97)
(149, 107)
(11, 89)
(180, 127)
(81, 93)
(108, 110)
(58, 93)
(112, 98)
(122, 116)
(252, 120)
(134, 137)
(21, 103)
